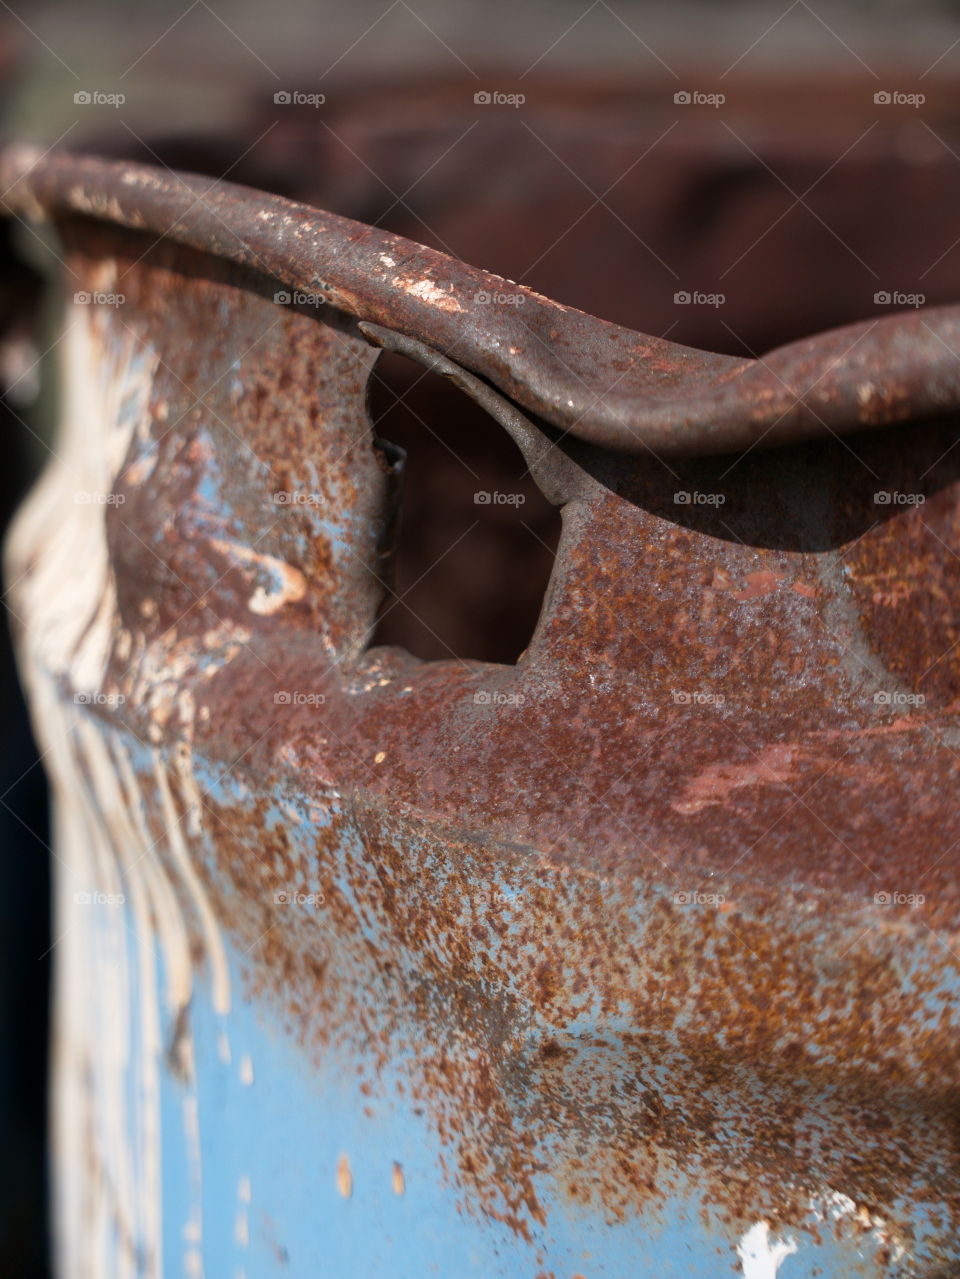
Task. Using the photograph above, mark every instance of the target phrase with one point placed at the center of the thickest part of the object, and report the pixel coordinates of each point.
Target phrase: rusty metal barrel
(635, 956)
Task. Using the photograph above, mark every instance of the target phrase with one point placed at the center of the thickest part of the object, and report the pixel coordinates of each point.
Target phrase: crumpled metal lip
(597, 381)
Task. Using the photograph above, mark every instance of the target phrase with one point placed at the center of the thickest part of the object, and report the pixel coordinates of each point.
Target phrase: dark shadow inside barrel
(476, 538)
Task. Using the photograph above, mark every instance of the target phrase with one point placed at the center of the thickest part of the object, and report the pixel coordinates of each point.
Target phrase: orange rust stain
(774, 765)
(344, 1177)
(758, 584)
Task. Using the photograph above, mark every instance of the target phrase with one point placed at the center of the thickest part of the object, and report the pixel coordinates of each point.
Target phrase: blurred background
(733, 176)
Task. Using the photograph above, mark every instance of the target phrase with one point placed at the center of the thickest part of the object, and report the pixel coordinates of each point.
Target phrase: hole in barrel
(476, 539)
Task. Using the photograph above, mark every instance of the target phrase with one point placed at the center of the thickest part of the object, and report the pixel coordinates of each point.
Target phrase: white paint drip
(107, 1050)
(867, 1225)
(223, 1047)
(241, 1230)
(216, 954)
(193, 1230)
(760, 1255)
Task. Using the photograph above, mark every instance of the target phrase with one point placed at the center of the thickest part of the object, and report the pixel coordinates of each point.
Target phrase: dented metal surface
(635, 957)
(598, 381)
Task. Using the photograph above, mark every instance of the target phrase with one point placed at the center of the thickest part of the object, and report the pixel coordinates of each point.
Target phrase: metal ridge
(597, 381)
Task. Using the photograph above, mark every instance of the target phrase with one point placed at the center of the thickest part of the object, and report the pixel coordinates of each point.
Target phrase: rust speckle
(758, 584)
(344, 1177)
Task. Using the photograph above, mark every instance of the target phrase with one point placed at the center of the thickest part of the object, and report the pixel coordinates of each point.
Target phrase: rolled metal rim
(597, 381)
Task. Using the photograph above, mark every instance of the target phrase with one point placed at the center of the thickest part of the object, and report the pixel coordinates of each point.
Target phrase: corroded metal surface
(598, 381)
(635, 957)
